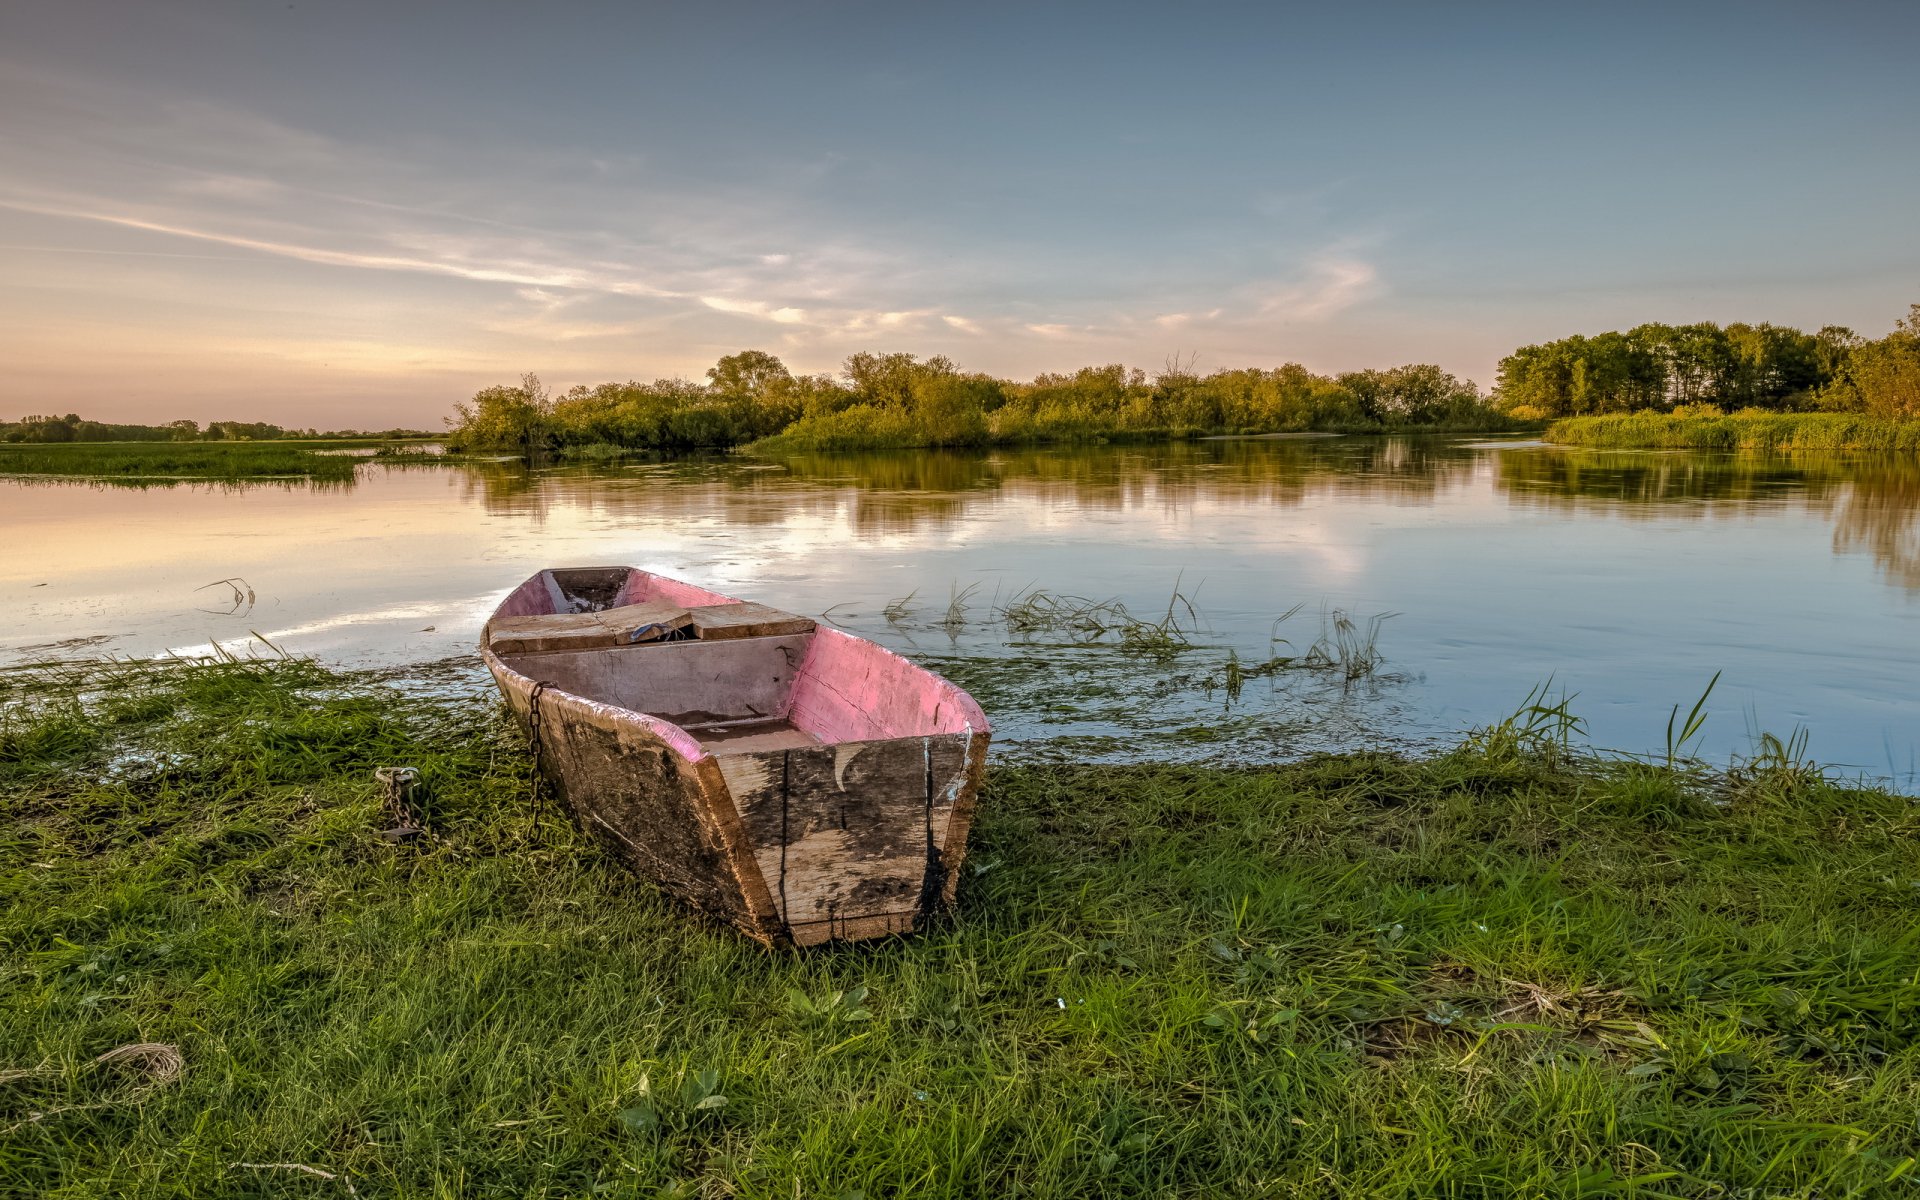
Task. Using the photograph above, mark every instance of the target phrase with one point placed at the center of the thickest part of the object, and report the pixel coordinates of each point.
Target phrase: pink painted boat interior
(822, 687)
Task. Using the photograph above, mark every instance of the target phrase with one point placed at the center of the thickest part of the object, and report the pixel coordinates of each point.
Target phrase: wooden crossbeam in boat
(717, 622)
(628, 625)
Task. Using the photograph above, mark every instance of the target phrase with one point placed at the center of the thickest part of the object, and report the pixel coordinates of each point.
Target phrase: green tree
(888, 379)
(748, 373)
(1886, 373)
(505, 418)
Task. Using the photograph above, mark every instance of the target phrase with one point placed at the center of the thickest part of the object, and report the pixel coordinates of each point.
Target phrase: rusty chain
(536, 783)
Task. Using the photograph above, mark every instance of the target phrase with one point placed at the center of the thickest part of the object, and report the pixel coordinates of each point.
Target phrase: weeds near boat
(1780, 766)
(1540, 728)
(243, 599)
(1681, 734)
(1345, 648)
(1084, 622)
(956, 618)
(897, 611)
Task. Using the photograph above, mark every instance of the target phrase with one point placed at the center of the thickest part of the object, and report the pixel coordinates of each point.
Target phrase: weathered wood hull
(805, 785)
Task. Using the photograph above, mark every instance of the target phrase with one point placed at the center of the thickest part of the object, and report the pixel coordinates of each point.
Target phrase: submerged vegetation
(1707, 428)
(896, 401)
(1511, 969)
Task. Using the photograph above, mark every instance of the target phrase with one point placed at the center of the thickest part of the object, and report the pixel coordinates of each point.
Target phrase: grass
(1713, 430)
(143, 463)
(1502, 971)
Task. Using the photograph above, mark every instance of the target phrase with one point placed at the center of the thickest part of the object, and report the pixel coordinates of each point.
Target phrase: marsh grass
(412, 452)
(151, 463)
(900, 610)
(956, 615)
(1544, 728)
(1345, 648)
(1037, 614)
(1710, 429)
(1493, 972)
(161, 464)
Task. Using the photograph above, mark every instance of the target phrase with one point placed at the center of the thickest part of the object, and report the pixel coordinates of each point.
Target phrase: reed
(956, 616)
(1345, 648)
(1543, 728)
(1080, 621)
(1710, 429)
(900, 609)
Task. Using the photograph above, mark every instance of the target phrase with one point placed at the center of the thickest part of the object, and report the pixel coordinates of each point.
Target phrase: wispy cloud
(609, 254)
(1180, 320)
(560, 277)
(783, 315)
(1332, 285)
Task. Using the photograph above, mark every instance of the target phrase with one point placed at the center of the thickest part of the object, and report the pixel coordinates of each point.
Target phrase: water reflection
(1873, 501)
(1628, 577)
(1877, 514)
(900, 493)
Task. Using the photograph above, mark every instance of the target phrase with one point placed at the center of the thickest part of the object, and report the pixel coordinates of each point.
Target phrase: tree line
(49, 430)
(882, 401)
(1661, 368)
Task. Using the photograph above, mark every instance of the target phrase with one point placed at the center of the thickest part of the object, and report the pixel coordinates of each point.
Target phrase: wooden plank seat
(716, 622)
(628, 625)
(639, 624)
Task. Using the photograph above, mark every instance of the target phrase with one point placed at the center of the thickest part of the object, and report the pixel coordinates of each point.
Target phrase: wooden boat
(802, 783)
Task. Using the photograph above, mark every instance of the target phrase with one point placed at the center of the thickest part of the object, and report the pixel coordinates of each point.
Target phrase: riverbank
(854, 431)
(1735, 431)
(138, 464)
(1510, 969)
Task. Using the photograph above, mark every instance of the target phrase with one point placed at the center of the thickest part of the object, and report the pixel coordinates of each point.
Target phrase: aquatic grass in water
(1084, 622)
(1348, 647)
(1360, 975)
(956, 618)
(898, 611)
(1345, 648)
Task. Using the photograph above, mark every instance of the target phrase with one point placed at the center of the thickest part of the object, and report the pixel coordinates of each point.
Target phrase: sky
(349, 214)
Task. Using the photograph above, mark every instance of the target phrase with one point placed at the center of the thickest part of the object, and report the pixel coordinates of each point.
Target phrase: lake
(1627, 579)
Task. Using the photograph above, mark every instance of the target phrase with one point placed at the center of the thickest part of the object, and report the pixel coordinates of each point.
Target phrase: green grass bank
(1736, 431)
(1509, 970)
(147, 463)
(866, 428)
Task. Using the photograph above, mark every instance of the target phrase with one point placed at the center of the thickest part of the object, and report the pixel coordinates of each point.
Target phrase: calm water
(1628, 578)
